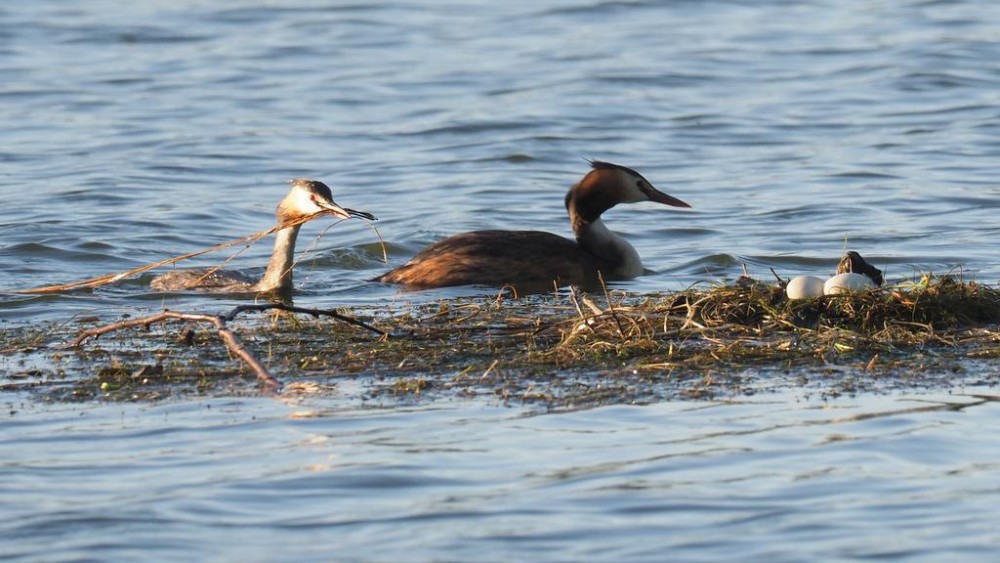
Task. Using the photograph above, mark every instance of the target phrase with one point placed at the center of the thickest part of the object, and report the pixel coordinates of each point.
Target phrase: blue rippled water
(778, 480)
(795, 129)
(133, 132)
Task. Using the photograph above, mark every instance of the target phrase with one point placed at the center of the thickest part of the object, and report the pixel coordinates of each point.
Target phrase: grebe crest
(532, 260)
(305, 199)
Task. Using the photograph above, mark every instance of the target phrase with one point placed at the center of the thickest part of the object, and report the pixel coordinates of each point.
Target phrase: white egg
(804, 287)
(847, 283)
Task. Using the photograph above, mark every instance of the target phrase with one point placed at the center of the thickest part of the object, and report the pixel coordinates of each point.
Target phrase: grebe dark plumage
(539, 259)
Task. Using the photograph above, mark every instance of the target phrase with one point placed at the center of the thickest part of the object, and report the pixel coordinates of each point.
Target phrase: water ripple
(133, 132)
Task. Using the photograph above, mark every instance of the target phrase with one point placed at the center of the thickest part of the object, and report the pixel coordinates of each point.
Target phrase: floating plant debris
(561, 350)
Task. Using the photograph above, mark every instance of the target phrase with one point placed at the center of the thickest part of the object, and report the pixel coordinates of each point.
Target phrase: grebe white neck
(278, 276)
(621, 257)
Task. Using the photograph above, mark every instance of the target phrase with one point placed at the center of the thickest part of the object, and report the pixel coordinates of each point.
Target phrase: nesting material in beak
(343, 212)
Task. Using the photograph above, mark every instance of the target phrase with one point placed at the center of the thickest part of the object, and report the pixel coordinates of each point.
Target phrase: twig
(293, 309)
(385, 252)
(576, 301)
(594, 309)
(208, 273)
(229, 337)
(112, 278)
(489, 369)
(611, 306)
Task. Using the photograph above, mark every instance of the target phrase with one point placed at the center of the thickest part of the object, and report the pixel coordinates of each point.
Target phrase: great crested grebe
(534, 259)
(307, 197)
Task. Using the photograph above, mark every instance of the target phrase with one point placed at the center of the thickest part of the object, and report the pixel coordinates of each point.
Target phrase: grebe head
(309, 197)
(607, 185)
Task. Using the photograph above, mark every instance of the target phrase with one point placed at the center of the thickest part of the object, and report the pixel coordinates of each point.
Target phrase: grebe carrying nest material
(534, 259)
(306, 198)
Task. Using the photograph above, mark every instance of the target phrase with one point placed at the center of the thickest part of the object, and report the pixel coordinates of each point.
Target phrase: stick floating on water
(116, 277)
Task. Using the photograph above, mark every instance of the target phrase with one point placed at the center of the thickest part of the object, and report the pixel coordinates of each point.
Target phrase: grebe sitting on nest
(307, 197)
(534, 259)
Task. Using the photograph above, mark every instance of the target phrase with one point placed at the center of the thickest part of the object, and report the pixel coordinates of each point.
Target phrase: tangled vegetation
(561, 350)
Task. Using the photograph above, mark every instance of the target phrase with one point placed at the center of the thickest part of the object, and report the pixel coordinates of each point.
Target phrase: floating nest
(905, 312)
(563, 350)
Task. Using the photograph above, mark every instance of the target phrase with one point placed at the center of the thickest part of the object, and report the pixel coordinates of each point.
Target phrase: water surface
(133, 132)
(782, 478)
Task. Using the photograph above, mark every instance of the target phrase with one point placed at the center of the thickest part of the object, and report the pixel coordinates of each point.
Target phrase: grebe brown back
(534, 259)
(307, 197)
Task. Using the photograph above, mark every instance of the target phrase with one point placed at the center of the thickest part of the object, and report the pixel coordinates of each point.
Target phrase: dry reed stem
(112, 278)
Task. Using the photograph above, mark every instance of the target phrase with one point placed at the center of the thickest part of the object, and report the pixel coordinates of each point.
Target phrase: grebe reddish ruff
(307, 197)
(534, 259)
